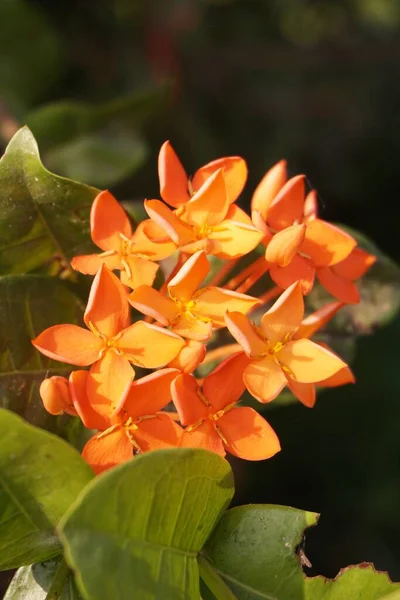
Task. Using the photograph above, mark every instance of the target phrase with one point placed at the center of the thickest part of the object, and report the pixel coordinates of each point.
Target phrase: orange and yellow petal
(149, 346)
(268, 188)
(300, 269)
(107, 449)
(311, 206)
(192, 327)
(264, 379)
(234, 239)
(246, 334)
(180, 233)
(108, 383)
(213, 302)
(325, 243)
(248, 434)
(88, 415)
(235, 174)
(339, 287)
(204, 436)
(288, 205)
(281, 321)
(89, 264)
(342, 377)
(308, 362)
(317, 320)
(187, 398)
(107, 221)
(283, 245)
(172, 176)
(151, 240)
(189, 277)
(108, 307)
(138, 271)
(225, 385)
(305, 392)
(209, 206)
(70, 344)
(189, 358)
(150, 394)
(151, 302)
(157, 433)
(355, 265)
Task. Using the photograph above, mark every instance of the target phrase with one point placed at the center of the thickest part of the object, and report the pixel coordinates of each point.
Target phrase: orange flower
(212, 418)
(207, 222)
(190, 357)
(131, 253)
(297, 241)
(306, 392)
(137, 426)
(274, 353)
(176, 188)
(56, 397)
(338, 280)
(189, 311)
(109, 344)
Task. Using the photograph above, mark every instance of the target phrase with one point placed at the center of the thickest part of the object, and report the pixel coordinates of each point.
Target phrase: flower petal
(300, 269)
(355, 265)
(88, 415)
(210, 204)
(225, 385)
(105, 450)
(308, 362)
(149, 346)
(191, 355)
(213, 302)
(317, 320)
(140, 271)
(150, 394)
(108, 383)
(284, 245)
(151, 302)
(268, 188)
(204, 436)
(245, 334)
(70, 344)
(157, 433)
(305, 392)
(89, 264)
(235, 174)
(56, 396)
(187, 399)
(179, 232)
(288, 205)
(107, 221)
(341, 288)
(264, 379)
(284, 317)
(173, 178)
(248, 434)
(192, 327)
(189, 277)
(108, 307)
(234, 239)
(342, 377)
(326, 244)
(152, 241)
(311, 206)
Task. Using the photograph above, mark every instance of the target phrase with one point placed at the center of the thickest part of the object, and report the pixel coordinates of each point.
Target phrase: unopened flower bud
(56, 396)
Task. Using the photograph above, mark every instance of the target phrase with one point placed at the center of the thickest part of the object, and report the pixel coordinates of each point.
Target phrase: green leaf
(136, 531)
(40, 477)
(51, 580)
(253, 547)
(361, 581)
(43, 217)
(28, 305)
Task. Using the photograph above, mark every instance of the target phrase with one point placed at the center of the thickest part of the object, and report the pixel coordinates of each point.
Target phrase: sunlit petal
(108, 383)
(178, 231)
(189, 358)
(149, 346)
(173, 178)
(264, 379)
(192, 327)
(157, 433)
(234, 239)
(104, 451)
(248, 434)
(204, 436)
(245, 334)
(88, 415)
(107, 221)
(213, 302)
(317, 320)
(355, 265)
(225, 385)
(269, 186)
(140, 271)
(287, 206)
(325, 243)
(69, 343)
(311, 206)
(308, 362)
(210, 203)
(284, 245)
(340, 288)
(235, 174)
(189, 277)
(151, 302)
(300, 269)
(305, 392)
(150, 394)
(186, 395)
(89, 264)
(284, 317)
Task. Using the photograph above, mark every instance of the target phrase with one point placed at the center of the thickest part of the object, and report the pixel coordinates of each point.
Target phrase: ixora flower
(298, 243)
(274, 354)
(188, 310)
(110, 344)
(208, 221)
(176, 188)
(135, 426)
(214, 421)
(131, 253)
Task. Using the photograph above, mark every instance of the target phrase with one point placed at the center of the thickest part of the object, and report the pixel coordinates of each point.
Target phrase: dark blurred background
(103, 83)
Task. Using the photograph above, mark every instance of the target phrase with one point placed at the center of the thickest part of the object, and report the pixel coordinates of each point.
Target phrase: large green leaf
(51, 580)
(28, 305)
(135, 532)
(40, 476)
(43, 217)
(253, 549)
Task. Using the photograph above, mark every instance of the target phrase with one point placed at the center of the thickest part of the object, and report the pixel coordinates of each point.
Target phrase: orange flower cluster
(189, 309)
